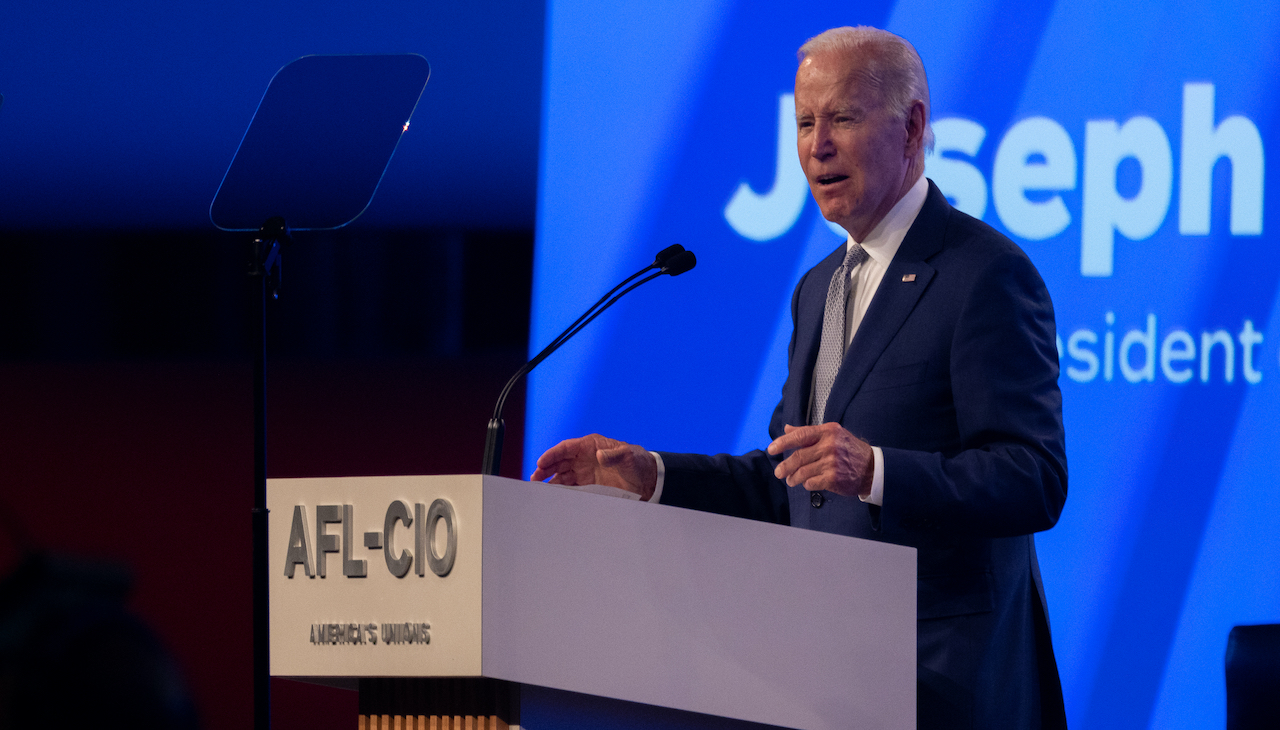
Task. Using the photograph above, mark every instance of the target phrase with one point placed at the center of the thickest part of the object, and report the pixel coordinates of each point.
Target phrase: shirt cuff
(877, 478)
(662, 475)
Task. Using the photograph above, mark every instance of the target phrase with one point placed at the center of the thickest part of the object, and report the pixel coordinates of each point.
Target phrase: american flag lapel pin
(908, 277)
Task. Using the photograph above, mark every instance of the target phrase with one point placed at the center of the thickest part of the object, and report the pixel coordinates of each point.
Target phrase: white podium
(586, 600)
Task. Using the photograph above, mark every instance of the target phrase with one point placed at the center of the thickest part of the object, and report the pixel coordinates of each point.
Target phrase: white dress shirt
(881, 246)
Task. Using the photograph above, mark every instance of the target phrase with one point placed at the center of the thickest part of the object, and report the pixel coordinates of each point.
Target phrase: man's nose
(821, 145)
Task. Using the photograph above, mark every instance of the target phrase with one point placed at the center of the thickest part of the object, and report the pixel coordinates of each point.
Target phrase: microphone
(665, 254)
(672, 260)
(680, 263)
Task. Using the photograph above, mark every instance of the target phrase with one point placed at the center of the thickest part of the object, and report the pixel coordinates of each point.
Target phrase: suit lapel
(895, 298)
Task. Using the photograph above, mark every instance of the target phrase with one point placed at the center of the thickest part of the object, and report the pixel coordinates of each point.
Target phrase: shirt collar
(883, 241)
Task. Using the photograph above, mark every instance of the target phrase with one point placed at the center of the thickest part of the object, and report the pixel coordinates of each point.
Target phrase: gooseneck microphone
(672, 260)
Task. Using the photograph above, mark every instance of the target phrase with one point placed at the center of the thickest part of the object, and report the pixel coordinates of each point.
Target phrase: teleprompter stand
(312, 158)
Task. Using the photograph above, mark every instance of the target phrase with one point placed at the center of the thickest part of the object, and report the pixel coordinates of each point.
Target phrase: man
(921, 405)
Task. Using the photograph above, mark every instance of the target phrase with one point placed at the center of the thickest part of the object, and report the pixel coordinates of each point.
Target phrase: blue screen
(1123, 147)
(125, 116)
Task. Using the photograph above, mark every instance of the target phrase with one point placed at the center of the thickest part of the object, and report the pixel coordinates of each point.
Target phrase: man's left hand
(824, 457)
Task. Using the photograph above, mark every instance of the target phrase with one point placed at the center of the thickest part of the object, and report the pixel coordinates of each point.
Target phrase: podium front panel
(698, 612)
(361, 619)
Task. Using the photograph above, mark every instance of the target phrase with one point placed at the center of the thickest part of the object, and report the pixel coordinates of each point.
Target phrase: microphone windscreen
(680, 263)
(665, 254)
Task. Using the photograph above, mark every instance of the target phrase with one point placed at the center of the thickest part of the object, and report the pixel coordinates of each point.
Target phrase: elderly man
(921, 405)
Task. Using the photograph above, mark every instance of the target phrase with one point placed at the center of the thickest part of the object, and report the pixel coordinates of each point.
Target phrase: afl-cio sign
(424, 523)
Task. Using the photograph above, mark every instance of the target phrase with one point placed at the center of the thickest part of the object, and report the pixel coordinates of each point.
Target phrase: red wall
(151, 465)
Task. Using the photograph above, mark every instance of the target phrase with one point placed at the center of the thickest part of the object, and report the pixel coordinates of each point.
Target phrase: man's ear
(915, 128)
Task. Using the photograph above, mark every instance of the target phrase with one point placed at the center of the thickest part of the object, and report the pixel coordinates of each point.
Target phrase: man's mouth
(829, 179)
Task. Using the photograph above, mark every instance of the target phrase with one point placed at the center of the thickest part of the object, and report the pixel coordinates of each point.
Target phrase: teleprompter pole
(318, 145)
(264, 272)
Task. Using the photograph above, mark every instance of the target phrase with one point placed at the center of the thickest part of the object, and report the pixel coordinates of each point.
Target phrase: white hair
(890, 65)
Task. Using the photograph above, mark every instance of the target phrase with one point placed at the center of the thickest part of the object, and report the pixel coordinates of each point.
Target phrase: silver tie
(831, 352)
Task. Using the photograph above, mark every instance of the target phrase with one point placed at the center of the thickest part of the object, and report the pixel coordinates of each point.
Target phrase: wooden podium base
(432, 722)
(453, 703)
(488, 704)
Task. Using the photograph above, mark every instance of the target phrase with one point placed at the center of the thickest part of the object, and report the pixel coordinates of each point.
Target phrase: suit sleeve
(740, 486)
(1009, 474)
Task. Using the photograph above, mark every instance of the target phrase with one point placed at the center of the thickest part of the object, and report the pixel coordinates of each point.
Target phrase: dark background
(125, 364)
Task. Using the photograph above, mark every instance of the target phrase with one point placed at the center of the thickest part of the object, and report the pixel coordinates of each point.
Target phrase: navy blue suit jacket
(953, 373)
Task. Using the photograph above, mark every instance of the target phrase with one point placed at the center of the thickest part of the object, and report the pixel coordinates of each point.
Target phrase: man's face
(853, 150)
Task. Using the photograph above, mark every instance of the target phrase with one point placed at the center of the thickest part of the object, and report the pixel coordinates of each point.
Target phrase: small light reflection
(406, 128)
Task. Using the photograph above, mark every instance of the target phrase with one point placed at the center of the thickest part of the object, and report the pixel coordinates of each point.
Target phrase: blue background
(655, 113)
(126, 115)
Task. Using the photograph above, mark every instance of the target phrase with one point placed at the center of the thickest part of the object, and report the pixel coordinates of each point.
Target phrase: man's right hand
(596, 459)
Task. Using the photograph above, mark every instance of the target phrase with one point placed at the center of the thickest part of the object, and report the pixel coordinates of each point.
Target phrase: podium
(518, 603)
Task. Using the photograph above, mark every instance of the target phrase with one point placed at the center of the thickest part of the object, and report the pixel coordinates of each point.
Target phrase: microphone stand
(673, 260)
